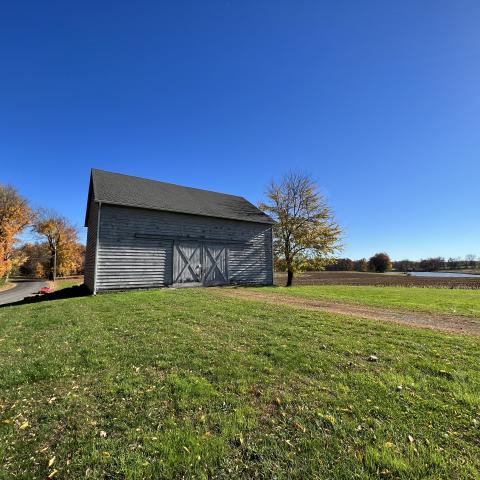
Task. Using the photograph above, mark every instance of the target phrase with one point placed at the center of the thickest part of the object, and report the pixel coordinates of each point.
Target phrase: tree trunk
(289, 277)
(51, 266)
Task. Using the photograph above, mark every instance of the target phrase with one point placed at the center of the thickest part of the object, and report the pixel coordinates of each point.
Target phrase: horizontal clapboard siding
(90, 251)
(127, 260)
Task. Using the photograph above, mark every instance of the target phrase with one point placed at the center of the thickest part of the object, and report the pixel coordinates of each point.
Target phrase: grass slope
(61, 284)
(185, 384)
(434, 300)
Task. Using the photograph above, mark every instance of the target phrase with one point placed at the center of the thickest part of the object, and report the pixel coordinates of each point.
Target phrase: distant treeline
(348, 265)
(470, 262)
(434, 264)
(381, 262)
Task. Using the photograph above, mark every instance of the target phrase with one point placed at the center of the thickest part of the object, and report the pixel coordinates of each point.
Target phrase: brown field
(377, 279)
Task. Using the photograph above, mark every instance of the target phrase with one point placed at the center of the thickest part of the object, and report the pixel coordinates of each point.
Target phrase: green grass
(188, 384)
(62, 284)
(434, 300)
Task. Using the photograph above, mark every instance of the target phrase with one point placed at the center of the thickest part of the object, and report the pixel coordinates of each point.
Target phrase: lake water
(443, 274)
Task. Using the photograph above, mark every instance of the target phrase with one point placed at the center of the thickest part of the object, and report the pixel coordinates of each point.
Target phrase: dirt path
(446, 323)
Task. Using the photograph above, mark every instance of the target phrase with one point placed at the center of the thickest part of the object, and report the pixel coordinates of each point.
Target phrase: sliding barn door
(215, 265)
(200, 263)
(187, 262)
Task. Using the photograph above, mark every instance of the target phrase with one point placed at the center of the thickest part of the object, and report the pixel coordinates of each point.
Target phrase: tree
(37, 254)
(39, 271)
(71, 259)
(431, 264)
(404, 265)
(15, 215)
(304, 223)
(471, 260)
(62, 240)
(361, 265)
(341, 265)
(17, 259)
(454, 263)
(380, 263)
(39, 258)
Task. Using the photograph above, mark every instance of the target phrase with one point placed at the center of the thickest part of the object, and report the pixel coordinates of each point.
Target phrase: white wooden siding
(129, 261)
(90, 253)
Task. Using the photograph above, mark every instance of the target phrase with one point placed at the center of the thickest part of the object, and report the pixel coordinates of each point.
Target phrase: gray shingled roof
(119, 189)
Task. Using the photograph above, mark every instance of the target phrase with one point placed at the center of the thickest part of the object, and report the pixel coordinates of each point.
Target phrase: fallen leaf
(299, 426)
(52, 473)
(51, 461)
(388, 444)
(103, 434)
(330, 419)
(24, 425)
(411, 439)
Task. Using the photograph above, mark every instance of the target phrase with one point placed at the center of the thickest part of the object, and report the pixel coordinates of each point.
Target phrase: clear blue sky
(380, 101)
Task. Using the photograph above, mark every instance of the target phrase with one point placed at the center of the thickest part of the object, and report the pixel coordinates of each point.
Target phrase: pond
(442, 274)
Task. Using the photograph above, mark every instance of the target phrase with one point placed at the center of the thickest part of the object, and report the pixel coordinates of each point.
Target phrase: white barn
(145, 234)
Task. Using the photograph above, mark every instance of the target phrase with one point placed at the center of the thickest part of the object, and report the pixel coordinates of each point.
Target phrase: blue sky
(380, 101)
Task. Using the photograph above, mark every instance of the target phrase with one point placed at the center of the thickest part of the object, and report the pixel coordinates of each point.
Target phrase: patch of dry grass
(6, 286)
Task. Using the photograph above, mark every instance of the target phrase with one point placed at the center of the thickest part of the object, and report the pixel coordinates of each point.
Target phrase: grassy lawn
(434, 300)
(66, 283)
(187, 384)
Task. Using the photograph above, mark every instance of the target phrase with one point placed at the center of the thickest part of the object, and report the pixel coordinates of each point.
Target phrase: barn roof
(125, 190)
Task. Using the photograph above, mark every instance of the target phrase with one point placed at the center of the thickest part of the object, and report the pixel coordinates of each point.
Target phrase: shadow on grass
(64, 293)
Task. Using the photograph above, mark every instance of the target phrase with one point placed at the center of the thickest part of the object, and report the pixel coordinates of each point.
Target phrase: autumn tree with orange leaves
(62, 238)
(15, 216)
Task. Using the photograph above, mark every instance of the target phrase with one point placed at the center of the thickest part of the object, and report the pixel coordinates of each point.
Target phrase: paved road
(23, 289)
